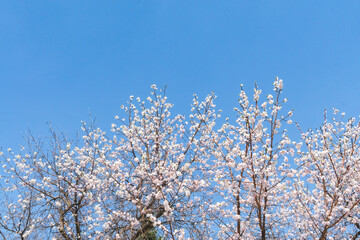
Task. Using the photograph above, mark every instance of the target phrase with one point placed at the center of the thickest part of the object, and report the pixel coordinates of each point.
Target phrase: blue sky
(61, 60)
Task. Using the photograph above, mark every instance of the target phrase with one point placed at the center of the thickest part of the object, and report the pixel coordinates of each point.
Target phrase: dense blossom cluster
(158, 176)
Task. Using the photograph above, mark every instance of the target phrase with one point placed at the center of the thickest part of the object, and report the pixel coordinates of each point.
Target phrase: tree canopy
(159, 176)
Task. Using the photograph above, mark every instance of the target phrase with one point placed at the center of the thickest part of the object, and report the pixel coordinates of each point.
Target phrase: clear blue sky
(60, 60)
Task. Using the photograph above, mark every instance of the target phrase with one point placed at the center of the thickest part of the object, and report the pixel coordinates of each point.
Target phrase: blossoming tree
(327, 186)
(251, 170)
(48, 179)
(148, 174)
(162, 176)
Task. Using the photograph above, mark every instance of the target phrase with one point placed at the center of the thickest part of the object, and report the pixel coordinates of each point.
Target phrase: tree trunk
(323, 234)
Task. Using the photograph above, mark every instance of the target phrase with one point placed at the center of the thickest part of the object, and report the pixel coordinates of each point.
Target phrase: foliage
(151, 235)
